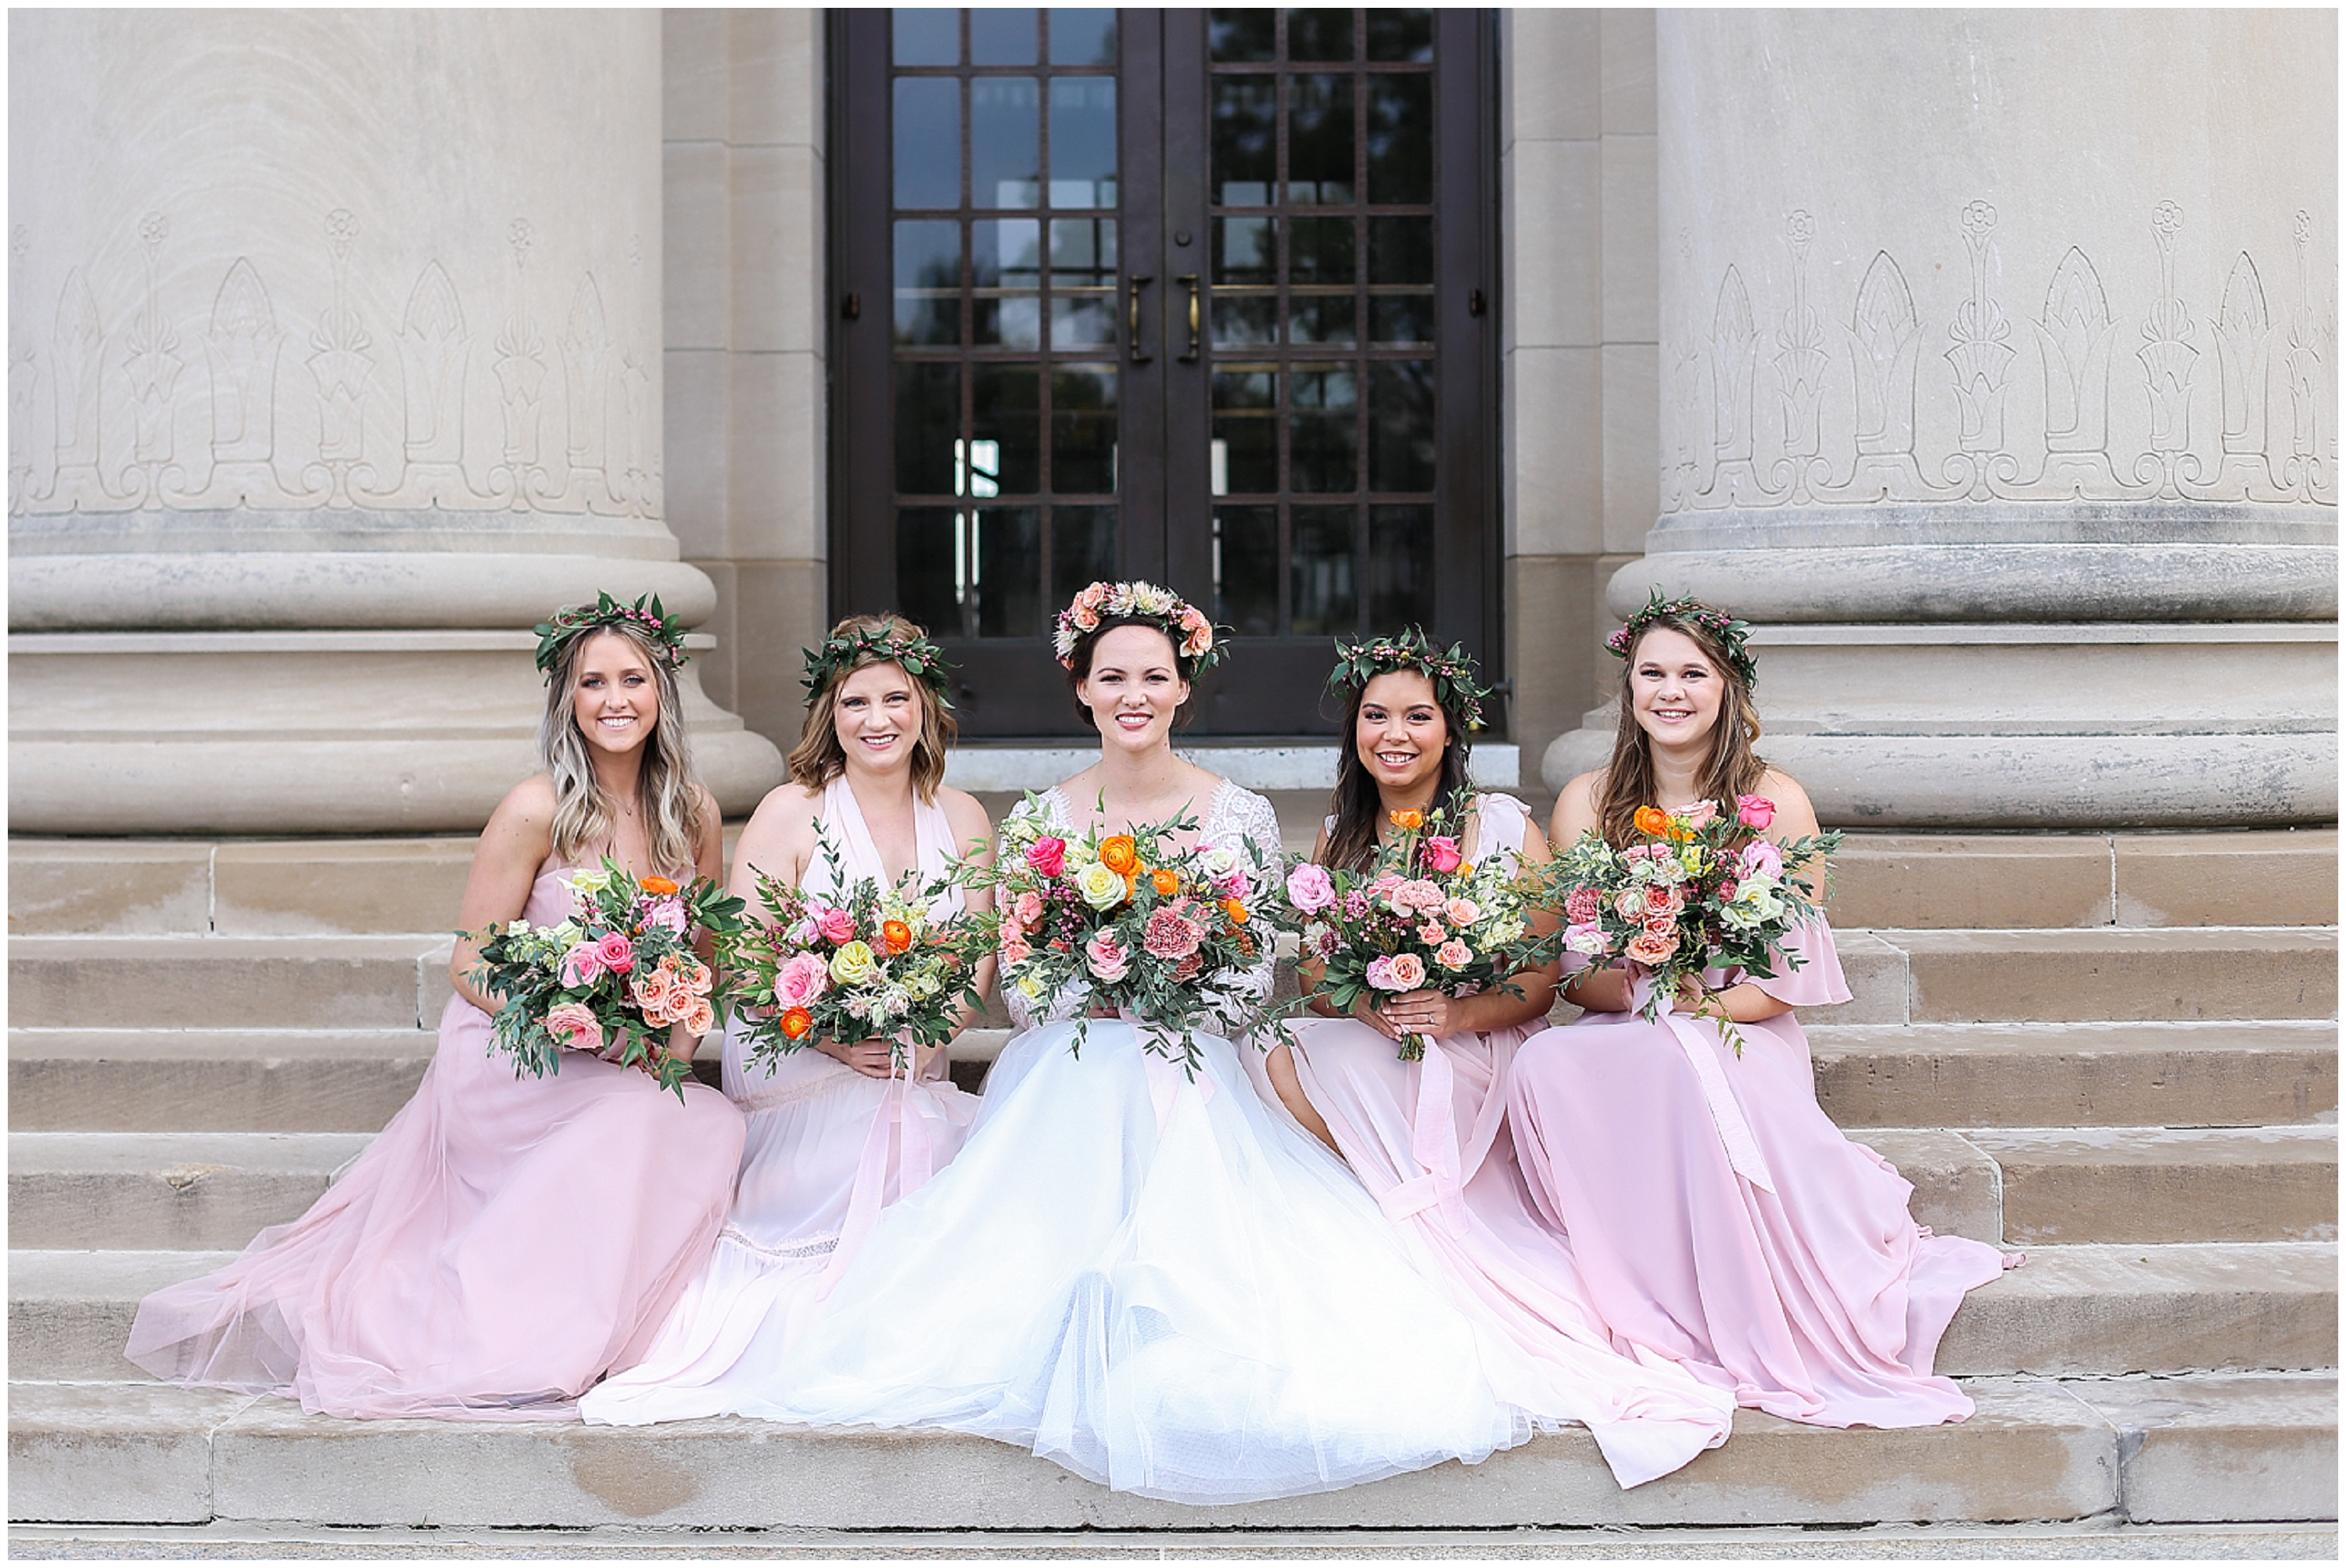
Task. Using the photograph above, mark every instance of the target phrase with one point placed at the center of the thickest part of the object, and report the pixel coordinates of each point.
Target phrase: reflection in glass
(1401, 424)
(1246, 427)
(1401, 319)
(1320, 570)
(1083, 141)
(1000, 35)
(1244, 152)
(1006, 408)
(1319, 34)
(1005, 261)
(926, 37)
(1323, 451)
(1005, 578)
(1401, 566)
(1240, 37)
(1320, 250)
(1083, 281)
(1083, 429)
(1082, 323)
(1246, 569)
(1244, 249)
(928, 281)
(1239, 319)
(1395, 34)
(1005, 142)
(928, 141)
(1082, 37)
(1320, 141)
(1401, 138)
(1321, 318)
(925, 586)
(1400, 249)
(1083, 548)
(928, 418)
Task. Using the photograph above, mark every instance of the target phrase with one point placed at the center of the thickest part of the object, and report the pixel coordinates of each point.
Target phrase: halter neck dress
(501, 1244)
(827, 1150)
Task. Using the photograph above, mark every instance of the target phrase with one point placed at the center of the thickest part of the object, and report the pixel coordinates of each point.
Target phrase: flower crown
(1733, 634)
(576, 621)
(844, 651)
(1184, 625)
(1452, 673)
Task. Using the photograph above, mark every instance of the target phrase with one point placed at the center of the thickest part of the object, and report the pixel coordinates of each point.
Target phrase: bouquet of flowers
(1135, 923)
(1420, 918)
(867, 965)
(612, 979)
(1701, 889)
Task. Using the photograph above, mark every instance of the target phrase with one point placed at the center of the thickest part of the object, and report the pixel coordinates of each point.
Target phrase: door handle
(1132, 320)
(1190, 281)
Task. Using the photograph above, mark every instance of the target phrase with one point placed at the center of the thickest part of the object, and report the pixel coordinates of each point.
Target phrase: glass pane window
(1083, 550)
(1082, 37)
(926, 37)
(1244, 155)
(928, 281)
(1083, 141)
(1246, 569)
(928, 141)
(1083, 429)
(1319, 34)
(1005, 143)
(1401, 566)
(1241, 37)
(1322, 569)
(1001, 35)
(1320, 140)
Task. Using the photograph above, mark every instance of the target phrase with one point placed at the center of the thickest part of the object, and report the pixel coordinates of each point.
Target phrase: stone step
(2198, 1074)
(179, 1191)
(2080, 976)
(2179, 1184)
(212, 1080)
(2205, 1447)
(229, 982)
(2071, 1311)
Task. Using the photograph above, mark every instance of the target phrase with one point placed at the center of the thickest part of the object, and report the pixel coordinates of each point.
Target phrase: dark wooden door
(1202, 297)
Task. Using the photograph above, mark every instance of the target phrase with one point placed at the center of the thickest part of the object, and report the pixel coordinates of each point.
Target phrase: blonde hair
(1732, 768)
(583, 816)
(818, 758)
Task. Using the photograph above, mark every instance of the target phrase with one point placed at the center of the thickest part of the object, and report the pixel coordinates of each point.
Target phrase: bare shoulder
(970, 824)
(526, 811)
(789, 802)
(1795, 815)
(1576, 807)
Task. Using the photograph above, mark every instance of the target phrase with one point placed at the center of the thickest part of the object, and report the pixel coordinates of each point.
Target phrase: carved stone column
(334, 365)
(1999, 386)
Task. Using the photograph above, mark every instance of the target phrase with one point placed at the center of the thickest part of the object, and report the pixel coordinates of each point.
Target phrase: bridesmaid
(505, 1240)
(1429, 1138)
(1718, 1217)
(835, 1135)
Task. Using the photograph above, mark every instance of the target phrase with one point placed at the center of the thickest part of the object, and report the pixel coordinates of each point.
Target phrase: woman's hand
(1429, 1012)
(873, 1058)
(681, 1043)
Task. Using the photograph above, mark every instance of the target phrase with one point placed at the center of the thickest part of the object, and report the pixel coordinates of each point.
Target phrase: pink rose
(617, 954)
(1107, 958)
(1028, 910)
(1397, 972)
(1442, 854)
(1236, 885)
(836, 926)
(1015, 950)
(690, 973)
(575, 1027)
(1629, 903)
(1311, 888)
(1664, 901)
(802, 979)
(1583, 907)
(1754, 812)
(1431, 934)
(1650, 946)
(1462, 912)
(1453, 954)
(1090, 599)
(651, 989)
(701, 1019)
(1700, 815)
(667, 913)
(1763, 859)
(582, 965)
(1048, 856)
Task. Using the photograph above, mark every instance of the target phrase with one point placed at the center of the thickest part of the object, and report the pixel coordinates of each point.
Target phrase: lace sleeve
(1247, 816)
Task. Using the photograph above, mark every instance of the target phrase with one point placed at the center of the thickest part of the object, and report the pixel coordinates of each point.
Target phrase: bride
(1143, 1276)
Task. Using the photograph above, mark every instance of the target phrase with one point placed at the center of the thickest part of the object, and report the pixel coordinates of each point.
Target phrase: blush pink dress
(1720, 1218)
(503, 1243)
(1429, 1140)
(828, 1149)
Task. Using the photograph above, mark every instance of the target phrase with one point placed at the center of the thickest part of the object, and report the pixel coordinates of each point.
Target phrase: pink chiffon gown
(1429, 1140)
(503, 1243)
(1720, 1219)
(828, 1149)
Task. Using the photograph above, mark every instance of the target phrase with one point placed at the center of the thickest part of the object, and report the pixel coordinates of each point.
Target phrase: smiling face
(1674, 691)
(876, 715)
(1400, 732)
(614, 696)
(1135, 688)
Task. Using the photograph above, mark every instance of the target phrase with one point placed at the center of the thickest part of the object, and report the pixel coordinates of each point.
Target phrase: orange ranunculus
(1235, 911)
(1409, 821)
(1679, 831)
(796, 1023)
(658, 886)
(1120, 855)
(1167, 884)
(896, 934)
(1651, 820)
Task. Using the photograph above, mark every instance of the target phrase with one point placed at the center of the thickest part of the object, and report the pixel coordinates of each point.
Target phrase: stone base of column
(2077, 725)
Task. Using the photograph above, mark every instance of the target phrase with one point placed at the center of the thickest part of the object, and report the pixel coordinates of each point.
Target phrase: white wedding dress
(1152, 1281)
(828, 1150)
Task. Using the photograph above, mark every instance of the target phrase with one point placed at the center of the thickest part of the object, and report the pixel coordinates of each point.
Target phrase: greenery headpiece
(645, 615)
(1184, 625)
(1733, 634)
(893, 641)
(1452, 673)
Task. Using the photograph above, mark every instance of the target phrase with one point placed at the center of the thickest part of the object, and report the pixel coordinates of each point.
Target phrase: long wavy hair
(1732, 767)
(818, 758)
(1358, 808)
(583, 816)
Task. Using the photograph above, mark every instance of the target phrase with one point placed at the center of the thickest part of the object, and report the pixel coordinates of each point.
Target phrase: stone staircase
(2063, 1041)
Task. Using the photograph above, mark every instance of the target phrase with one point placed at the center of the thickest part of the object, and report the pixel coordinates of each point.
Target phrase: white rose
(1219, 862)
(1100, 888)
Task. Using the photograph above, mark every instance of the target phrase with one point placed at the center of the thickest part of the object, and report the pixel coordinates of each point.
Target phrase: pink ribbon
(906, 1121)
(1434, 1145)
(1743, 1153)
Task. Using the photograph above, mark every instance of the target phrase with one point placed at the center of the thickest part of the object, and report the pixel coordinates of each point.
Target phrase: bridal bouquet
(1700, 891)
(869, 965)
(612, 979)
(1133, 922)
(1420, 918)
